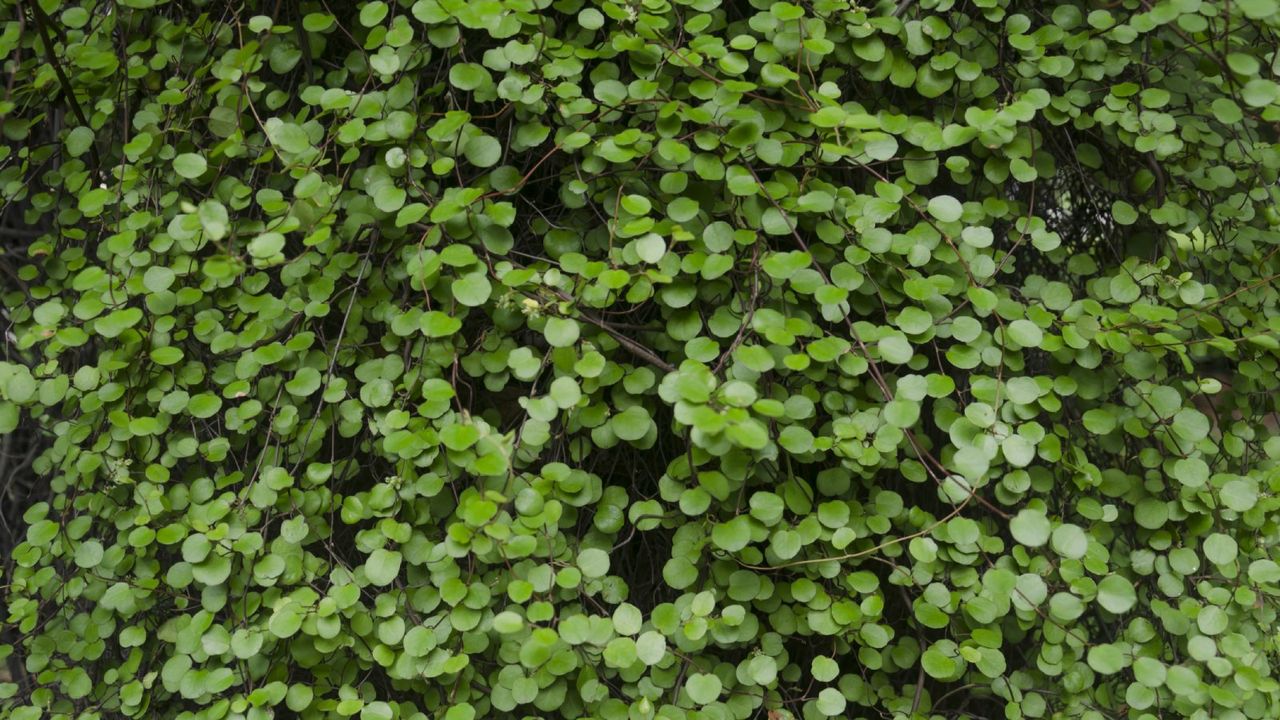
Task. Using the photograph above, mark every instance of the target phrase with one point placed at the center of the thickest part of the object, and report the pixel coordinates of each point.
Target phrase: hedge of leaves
(632, 359)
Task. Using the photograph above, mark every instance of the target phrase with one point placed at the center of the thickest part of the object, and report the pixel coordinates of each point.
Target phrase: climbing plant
(632, 359)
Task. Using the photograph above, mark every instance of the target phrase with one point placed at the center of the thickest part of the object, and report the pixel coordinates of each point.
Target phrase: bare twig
(43, 23)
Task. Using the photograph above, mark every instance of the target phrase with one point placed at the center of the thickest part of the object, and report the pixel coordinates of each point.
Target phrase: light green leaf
(287, 136)
(631, 424)
(382, 566)
(593, 562)
(472, 289)
(945, 208)
(561, 332)
(1030, 527)
(190, 165)
(1070, 541)
(1116, 594)
(703, 688)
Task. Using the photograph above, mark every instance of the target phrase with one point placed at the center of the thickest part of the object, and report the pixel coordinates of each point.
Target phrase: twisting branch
(43, 23)
(634, 347)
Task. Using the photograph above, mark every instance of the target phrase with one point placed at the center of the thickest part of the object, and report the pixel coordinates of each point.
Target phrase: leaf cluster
(636, 359)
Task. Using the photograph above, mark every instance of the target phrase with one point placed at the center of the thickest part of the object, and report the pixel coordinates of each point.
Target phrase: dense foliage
(633, 359)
